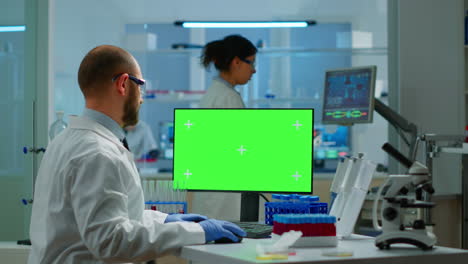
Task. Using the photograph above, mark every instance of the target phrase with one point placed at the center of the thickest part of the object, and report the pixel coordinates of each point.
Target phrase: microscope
(403, 192)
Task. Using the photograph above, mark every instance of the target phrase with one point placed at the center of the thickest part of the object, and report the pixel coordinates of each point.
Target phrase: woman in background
(234, 58)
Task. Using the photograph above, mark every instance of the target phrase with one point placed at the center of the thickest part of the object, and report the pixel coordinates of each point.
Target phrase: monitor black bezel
(247, 191)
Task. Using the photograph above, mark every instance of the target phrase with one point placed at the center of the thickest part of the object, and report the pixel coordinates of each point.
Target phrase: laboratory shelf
(171, 96)
(154, 174)
(280, 52)
(287, 100)
(170, 100)
(309, 51)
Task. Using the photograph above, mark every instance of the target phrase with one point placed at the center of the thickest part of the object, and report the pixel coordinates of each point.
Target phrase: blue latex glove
(185, 217)
(216, 229)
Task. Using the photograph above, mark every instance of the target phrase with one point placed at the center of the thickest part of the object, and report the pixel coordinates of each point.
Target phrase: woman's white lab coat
(219, 205)
(89, 206)
(221, 95)
(140, 140)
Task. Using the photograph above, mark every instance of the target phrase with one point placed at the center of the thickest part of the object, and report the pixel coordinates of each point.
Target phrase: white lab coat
(220, 95)
(219, 205)
(140, 140)
(89, 206)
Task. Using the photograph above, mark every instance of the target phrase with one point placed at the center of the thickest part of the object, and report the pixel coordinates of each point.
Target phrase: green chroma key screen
(259, 150)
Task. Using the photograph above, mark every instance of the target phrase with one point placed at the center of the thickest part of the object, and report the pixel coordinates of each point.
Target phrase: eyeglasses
(251, 63)
(136, 80)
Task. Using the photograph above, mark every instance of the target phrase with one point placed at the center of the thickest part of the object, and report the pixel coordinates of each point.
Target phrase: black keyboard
(255, 229)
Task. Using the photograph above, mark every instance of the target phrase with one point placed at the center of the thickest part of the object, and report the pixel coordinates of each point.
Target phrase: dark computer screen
(331, 142)
(244, 150)
(166, 139)
(349, 95)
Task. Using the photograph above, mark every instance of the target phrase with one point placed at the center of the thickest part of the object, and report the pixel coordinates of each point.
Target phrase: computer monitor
(244, 150)
(166, 139)
(331, 142)
(349, 95)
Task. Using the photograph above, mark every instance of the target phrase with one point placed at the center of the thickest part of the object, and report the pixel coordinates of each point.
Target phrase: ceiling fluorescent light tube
(12, 28)
(244, 24)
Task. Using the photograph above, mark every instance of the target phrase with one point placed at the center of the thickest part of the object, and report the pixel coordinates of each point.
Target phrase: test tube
(285, 198)
(161, 196)
(276, 197)
(295, 198)
(173, 208)
(180, 196)
(304, 199)
(153, 193)
(170, 197)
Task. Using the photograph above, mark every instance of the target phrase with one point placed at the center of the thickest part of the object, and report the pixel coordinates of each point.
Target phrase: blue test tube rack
(312, 206)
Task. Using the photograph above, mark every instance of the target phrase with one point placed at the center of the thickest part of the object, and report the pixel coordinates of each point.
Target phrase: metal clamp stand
(398, 121)
(436, 144)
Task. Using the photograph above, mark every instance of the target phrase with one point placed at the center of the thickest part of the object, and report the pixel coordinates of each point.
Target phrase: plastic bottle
(57, 126)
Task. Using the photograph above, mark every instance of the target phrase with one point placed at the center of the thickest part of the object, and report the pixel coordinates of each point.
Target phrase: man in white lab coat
(88, 202)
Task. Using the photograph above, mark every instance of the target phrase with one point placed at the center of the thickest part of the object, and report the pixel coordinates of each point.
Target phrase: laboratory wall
(431, 77)
(428, 40)
(74, 35)
(12, 13)
(105, 24)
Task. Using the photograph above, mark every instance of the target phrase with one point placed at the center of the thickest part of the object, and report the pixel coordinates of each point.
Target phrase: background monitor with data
(349, 95)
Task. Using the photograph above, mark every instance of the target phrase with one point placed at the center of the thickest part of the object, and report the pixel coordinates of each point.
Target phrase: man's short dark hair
(100, 65)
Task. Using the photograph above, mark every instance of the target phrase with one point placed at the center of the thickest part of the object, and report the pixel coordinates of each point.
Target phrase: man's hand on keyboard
(185, 217)
(216, 229)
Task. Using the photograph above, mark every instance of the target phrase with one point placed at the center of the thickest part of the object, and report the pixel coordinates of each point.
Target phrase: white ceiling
(138, 11)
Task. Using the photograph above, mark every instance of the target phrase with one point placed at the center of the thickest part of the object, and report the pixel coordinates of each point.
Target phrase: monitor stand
(249, 207)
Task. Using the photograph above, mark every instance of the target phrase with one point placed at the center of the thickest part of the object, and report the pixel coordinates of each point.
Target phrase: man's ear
(121, 84)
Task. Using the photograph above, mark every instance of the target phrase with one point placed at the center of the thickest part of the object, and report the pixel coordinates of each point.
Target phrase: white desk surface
(363, 248)
(13, 247)
(10, 252)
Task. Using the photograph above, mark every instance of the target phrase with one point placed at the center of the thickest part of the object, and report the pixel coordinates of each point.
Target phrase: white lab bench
(12, 253)
(363, 248)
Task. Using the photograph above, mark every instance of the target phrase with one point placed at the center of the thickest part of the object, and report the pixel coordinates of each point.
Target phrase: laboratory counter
(357, 249)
